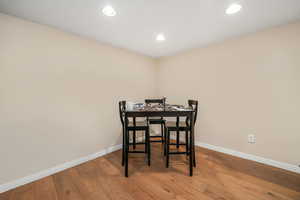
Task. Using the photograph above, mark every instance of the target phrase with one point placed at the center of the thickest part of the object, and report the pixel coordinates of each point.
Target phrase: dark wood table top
(159, 110)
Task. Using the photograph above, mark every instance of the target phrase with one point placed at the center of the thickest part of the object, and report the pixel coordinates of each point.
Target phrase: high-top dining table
(163, 111)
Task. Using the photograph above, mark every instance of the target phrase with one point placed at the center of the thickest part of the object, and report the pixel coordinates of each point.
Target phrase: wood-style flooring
(217, 177)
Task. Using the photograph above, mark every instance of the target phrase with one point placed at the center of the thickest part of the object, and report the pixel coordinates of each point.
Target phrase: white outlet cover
(251, 138)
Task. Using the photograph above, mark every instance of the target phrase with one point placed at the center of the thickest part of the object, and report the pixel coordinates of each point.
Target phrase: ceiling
(185, 23)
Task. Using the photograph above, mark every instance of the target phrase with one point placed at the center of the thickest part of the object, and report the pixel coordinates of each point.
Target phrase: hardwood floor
(217, 176)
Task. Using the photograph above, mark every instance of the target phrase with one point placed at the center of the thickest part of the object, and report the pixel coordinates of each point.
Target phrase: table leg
(177, 139)
(148, 147)
(165, 141)
(187, 142)
(134, 134)
(162, 133)
(191, 153)
(194, 156)
(126, 145)
(123, 146)
(167, 148)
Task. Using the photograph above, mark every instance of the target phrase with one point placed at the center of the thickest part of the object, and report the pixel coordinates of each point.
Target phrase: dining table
(162, 110)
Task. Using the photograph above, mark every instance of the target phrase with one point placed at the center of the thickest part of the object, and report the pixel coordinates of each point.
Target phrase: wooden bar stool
(132, 127)
(180, 127)
(157, 120)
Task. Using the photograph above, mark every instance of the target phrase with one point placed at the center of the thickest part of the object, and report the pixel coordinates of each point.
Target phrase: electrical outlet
(251, 138)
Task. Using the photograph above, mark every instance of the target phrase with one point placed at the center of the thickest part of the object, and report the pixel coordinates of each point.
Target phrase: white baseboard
(28, 179)
(267, 161)
(282, 165)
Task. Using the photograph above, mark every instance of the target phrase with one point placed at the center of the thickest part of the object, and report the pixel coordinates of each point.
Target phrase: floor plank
(5, 195)
(23, 193)
(45, 189)
(217, 176)
(65, 187)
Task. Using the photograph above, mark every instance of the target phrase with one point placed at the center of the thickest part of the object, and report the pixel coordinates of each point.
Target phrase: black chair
(180, 127)
(133, 126)
(160, 120)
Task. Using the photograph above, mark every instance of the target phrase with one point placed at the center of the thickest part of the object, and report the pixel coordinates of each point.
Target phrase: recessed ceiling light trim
(233, 8)
(160, 37)
(109, 11)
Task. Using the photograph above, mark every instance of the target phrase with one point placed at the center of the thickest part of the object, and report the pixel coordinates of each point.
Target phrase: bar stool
(132, 127)
(154, 120)
(180, 127)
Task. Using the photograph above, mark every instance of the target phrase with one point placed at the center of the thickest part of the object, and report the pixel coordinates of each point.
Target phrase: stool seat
(156, 121)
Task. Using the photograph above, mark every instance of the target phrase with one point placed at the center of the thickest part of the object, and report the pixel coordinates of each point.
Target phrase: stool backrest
(156, 101)
(122, 107)
(194, 105)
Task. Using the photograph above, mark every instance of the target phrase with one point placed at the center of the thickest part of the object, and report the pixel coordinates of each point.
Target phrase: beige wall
(245, 85)
(59, 94)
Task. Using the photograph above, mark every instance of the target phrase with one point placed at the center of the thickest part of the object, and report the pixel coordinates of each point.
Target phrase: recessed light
(160, 37)
(109, 11)
(233, 8)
